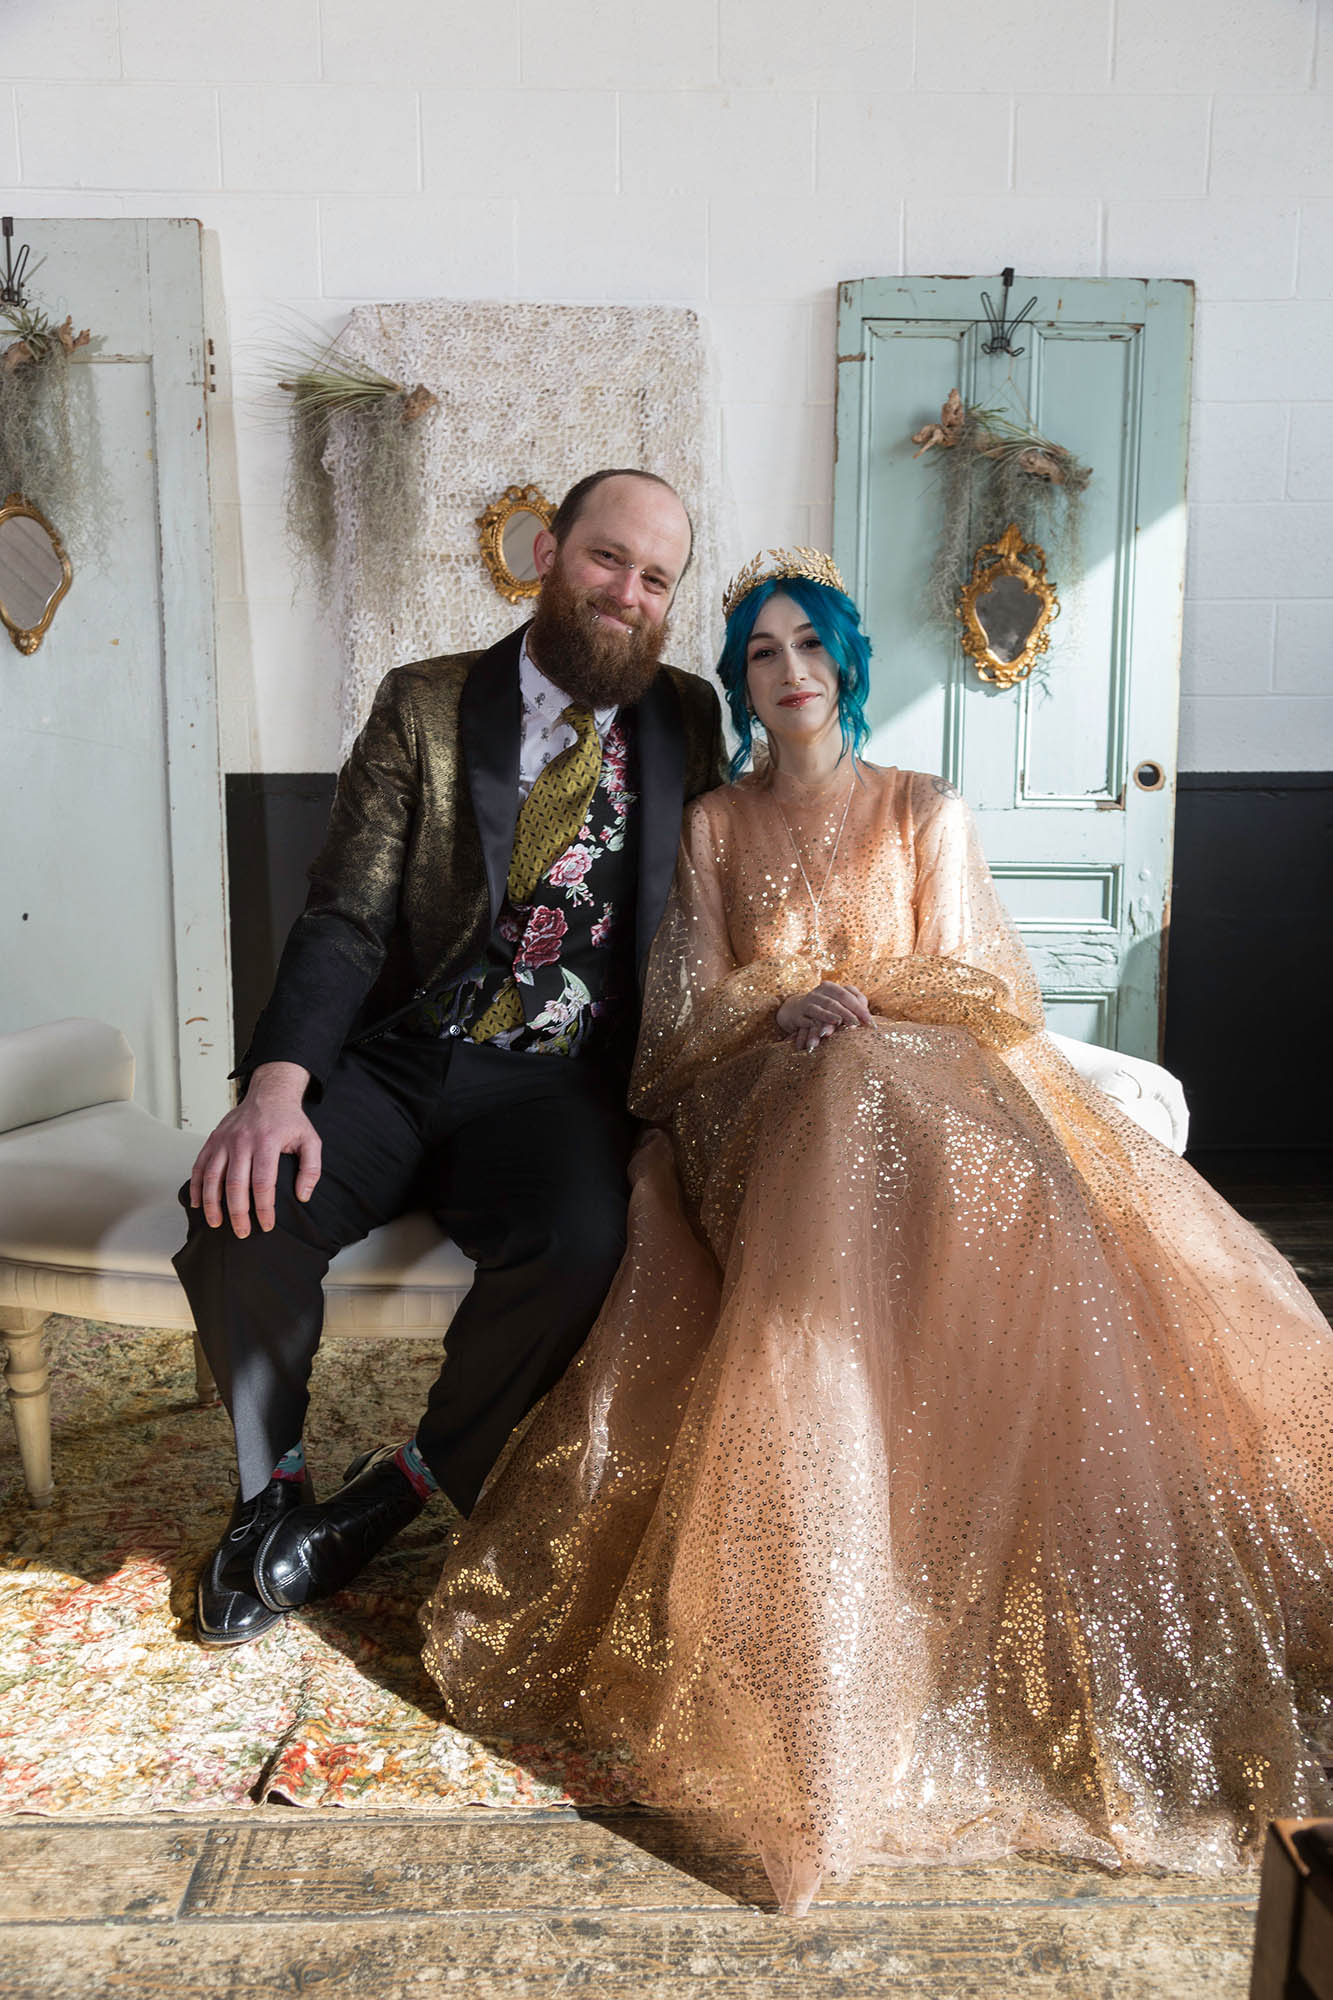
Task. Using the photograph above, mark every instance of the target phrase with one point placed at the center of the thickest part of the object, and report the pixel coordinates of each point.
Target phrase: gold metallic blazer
(412, 874)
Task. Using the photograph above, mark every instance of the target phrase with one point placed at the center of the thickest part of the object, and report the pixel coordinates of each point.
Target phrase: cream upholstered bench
(89, 1218)
(1145, 1092)
(89, 1222)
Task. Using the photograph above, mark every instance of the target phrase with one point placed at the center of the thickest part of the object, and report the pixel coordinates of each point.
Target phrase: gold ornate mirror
(1006, 607)
(34, 572)
(509, 528)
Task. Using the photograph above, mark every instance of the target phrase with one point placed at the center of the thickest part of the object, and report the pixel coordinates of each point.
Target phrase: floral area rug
(106, 1703)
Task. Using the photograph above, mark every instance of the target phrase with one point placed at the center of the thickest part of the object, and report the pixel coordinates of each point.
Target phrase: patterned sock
(291, 1465)
(415, 1470)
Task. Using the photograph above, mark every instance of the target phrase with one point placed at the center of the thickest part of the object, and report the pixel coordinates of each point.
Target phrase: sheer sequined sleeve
(968, 967)
(700, 1004)
(706, 1001)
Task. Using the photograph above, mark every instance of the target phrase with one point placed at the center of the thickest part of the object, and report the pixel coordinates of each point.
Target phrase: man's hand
(242, 1153)
(808, 1017)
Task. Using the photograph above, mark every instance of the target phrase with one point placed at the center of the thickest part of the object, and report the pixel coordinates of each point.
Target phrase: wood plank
(189, 669)
(279, 1865)
(369, 1867)
(617, 1861)
(54, 1872)
(1098, 1951)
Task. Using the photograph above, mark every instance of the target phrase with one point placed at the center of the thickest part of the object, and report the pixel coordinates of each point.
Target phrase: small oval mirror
(1007, 613)
(35, 572)
(509, 529)
(1006, 607)
(517, 544)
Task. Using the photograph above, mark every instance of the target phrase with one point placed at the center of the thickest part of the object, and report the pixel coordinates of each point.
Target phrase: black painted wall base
(1250, 969)
(275, 827)
(1250, 963)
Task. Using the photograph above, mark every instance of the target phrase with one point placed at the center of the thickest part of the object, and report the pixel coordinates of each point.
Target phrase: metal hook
(1002, 327)
(11, 284)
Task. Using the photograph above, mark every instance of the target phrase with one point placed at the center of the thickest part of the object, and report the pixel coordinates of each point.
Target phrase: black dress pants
(521, 1158)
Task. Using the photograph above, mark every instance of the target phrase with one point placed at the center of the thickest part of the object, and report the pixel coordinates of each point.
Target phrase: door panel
(1072, 723)
(1087, 1016)
(112, 892)
(1058, 899)
(86, 783)
(1082, 854)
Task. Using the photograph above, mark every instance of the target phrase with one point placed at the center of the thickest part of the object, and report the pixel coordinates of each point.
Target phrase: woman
(948, 1471)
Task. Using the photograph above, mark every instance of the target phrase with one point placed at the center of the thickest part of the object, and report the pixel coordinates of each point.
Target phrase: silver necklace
(816, 900)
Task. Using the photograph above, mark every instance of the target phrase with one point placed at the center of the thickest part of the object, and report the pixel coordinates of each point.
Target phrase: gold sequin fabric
(949, 1470)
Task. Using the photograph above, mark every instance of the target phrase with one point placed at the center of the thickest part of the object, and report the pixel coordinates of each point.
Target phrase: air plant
(332, 386)
(37, 339)
(49, 447)
(995, 470)
(330, 390)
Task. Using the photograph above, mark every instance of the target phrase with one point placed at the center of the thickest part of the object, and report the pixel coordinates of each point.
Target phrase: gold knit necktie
(550, 817)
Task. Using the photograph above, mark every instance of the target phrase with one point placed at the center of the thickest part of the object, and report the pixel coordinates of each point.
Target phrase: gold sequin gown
(950, 1470)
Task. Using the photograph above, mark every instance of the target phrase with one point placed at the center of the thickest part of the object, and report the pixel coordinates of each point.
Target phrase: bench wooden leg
(206, 1389)
(29, 1385)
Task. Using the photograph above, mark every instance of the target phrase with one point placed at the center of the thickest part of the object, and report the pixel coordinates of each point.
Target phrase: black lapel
(490, 724)
(660, 727)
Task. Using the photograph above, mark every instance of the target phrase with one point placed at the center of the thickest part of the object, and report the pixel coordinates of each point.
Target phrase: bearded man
(450, 1028)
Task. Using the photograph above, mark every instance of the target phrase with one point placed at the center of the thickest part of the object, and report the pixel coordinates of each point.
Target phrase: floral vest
(571, 949)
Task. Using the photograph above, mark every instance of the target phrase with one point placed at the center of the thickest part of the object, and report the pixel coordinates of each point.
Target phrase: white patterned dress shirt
(544, 734)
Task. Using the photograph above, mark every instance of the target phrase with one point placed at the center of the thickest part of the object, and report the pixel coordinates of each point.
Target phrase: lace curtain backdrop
(528, 394)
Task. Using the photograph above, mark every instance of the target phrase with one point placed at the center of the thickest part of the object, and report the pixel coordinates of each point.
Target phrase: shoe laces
(256, 1506)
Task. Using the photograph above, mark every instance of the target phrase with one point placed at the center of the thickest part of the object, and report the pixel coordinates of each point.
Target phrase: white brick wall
(328, 138)
(508, 142)
(453, 43)
(740, 156)
(218, 41)
(118, 135)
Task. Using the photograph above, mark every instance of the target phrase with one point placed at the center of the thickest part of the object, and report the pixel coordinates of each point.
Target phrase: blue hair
(838, 623)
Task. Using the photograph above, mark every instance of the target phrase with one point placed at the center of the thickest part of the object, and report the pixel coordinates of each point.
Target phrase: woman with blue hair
(948, 1471)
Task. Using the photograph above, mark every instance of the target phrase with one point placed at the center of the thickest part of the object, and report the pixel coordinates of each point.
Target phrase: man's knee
(197, 1232)
(576, 1237)
(291, 1217)
(593, 1238)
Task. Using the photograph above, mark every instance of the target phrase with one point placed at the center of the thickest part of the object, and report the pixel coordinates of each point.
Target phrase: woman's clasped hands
(808, 1017)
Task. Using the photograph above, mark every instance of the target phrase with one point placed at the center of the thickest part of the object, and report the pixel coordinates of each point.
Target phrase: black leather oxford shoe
(314, 1551)
(227, 1611)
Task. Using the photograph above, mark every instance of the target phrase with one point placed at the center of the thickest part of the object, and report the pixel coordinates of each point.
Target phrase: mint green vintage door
(1063, 769)
(112, 888)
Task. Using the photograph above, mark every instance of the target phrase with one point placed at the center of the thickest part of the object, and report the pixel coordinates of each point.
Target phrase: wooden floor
(504, 1905)
(499, 1905)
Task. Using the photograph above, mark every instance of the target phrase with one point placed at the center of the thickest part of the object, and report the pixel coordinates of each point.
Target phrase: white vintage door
(112, 895)
(1071, 773)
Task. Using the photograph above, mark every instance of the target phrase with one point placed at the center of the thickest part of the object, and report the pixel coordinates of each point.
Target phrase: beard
(591, 662)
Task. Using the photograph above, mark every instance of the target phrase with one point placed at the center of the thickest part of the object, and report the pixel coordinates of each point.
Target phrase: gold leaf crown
(771, 564)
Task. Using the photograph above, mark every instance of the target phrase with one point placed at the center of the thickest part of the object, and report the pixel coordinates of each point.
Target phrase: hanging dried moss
(49, 441)
(992, 471)
(341, 402)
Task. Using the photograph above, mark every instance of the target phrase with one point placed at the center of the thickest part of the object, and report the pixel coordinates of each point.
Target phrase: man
(449, 1028)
